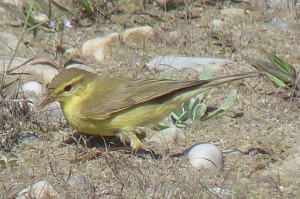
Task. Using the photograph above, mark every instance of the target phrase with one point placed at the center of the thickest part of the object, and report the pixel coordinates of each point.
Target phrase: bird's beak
(47, 101)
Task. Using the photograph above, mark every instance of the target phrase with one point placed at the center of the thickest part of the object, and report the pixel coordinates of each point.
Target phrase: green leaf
(278, 71)
(3, 162)
(199, 111)
(181, 125)
(276, 80)
(87, 5)
(281, 65)
(281, 76)
(228, 103)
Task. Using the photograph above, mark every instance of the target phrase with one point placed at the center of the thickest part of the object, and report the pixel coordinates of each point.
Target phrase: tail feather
(222, 80)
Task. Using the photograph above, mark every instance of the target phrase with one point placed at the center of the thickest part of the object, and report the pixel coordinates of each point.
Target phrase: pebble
(177, 62)
(205, 155)
(100, 47)
(39, 190)
(41, 18)
(166, 137)
(32, 87)
(55, 111)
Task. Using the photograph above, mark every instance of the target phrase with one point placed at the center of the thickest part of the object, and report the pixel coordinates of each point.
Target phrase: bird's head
(67, 84)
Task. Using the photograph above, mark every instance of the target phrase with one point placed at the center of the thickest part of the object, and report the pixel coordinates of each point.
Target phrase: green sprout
(280, 72)
(196, 108)
(5, 163)
(87, 5)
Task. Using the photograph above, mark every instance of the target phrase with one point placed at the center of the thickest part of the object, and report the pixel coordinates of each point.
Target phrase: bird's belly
(141, 116)
(144, 115)
(87, 125)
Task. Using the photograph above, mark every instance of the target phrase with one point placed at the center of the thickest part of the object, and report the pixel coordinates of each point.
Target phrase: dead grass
(268, 122)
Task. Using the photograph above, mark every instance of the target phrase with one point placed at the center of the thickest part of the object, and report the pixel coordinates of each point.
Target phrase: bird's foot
(135, 142)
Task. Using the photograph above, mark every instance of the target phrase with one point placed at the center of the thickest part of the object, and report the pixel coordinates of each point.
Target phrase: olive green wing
(119, 94)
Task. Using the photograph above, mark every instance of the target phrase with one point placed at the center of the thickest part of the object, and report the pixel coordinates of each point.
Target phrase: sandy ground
(262, 124)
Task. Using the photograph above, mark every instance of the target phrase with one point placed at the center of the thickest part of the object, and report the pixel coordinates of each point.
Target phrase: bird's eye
(68, 88)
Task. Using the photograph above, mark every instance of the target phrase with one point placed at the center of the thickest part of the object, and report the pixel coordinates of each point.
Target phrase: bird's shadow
(112, 143)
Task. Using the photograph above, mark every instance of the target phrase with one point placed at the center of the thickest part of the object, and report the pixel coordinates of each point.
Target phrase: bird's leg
(144, 132)
(135, 142)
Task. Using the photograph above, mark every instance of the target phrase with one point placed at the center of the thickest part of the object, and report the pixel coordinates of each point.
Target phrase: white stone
(33, 87)
(39, 190)
(99, 48)
(177, 62)
(56, 113)
(205, 155)
(166, 137)
(41, 18)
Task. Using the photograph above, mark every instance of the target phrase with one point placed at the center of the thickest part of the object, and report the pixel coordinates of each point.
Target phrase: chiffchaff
(114, 106)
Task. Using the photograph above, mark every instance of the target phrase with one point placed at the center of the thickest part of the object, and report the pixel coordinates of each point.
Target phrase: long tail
(222, 80)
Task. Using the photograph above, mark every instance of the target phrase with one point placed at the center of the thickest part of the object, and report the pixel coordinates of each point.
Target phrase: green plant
(280, 72)
(196, 108)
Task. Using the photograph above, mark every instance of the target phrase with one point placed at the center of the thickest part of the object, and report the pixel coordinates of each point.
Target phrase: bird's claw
(135, 142)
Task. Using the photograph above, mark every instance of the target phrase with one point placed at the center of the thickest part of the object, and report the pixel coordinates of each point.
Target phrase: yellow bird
(115, 107)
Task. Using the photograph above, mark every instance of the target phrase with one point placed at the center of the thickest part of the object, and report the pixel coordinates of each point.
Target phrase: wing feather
(123, 94)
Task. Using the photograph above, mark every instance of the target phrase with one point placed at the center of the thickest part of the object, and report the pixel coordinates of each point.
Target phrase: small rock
(33, 92)
(205, 155)
(99, 48)
(133, 35)
(56, 113)
(32, 87)
(39, 190)
(197, 63)
(166, 137)
(41, 18)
